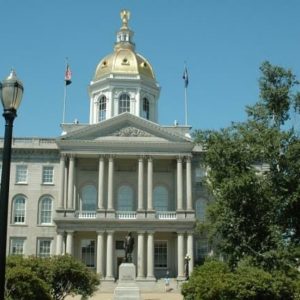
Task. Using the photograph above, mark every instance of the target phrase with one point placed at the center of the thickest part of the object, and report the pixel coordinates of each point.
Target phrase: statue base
(127, 288)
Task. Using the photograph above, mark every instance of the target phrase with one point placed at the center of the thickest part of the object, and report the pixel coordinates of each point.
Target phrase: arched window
(89, 198)
(45, 210)
(19, 210)
(125, 198)
(161, 198)
(201, 205)
(102, 109)
(146, 109)
(124, 103)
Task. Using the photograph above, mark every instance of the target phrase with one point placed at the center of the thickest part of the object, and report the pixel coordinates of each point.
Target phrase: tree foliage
(48, 278)
(215, 281)
(255, 180)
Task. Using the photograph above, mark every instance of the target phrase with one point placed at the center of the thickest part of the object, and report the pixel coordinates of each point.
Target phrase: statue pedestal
(127, 288)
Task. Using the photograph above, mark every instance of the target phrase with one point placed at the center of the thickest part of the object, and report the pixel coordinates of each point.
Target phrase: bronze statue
(128, 247)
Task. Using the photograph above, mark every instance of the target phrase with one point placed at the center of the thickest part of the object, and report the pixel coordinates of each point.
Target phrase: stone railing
(166, 215)
(85, 214)
(126, 215)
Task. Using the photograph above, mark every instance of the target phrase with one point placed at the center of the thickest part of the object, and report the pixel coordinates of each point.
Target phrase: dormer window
(146, 109)
(124, 103)
(102, 109)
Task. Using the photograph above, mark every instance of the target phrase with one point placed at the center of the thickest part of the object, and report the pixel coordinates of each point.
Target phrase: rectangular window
(88, 253)
(21, 174)
(48, 172)
(160, 254)
(120, 245)
(44, 247)
(17, 246)
(202, 249)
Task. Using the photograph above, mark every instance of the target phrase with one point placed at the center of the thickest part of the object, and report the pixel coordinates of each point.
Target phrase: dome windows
(146, 109)
(124, 103)
(102, 109)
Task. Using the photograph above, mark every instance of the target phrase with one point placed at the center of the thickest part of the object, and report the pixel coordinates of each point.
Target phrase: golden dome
(124, 60)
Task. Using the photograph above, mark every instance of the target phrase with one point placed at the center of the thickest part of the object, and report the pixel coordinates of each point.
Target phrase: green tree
(255, 180)
(48, 278)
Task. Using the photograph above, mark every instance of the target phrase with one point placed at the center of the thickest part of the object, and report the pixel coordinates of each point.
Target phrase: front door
(88, 252)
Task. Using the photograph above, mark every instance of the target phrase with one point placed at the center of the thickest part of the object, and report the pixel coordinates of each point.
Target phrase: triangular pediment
(124, 126)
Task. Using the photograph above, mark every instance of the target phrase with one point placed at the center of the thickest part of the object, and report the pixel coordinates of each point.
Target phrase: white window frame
(21, 174)
(14, 244)
(157, 201)
(83, 201)
(146, 108)
(167, 254)
(48, 175)
(19, 216)
(40, 247)
(124, 103)
(125, 202)
(44, 212)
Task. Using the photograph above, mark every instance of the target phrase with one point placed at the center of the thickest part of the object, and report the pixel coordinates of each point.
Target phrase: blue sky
(223, 42)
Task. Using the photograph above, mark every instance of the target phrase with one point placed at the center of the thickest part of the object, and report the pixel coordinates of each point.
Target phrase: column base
(190, 214)
(150, 214)
(110, 279)
(150, 278)
(110, 213)
(141, 278)
(180, 214)
(181, 278)
(141, 214)
(101, 213)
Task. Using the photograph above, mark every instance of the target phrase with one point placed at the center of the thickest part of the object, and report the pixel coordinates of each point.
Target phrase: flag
(68, 75)
(185, 77)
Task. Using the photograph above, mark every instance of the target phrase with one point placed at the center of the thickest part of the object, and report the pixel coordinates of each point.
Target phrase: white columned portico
(110, 203)
(69, 242)
(150, 184)
(141, 184)
(61, 201)
(109, 256)
(190, 251)
(100, 253)
(140, 255)
(189, 199)
(71, 182)
(180, 256)
(59, 243)
(101, 183)
(179, 184)
(150, 256)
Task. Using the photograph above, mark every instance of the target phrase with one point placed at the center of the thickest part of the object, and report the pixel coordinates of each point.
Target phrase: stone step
(157, 286)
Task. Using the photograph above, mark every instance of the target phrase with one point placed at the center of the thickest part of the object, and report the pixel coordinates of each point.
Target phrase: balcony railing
(166, 215)
(126, 215)
(86, 214)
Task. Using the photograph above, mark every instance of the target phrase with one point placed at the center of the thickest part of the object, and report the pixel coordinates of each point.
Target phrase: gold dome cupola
(124, 81)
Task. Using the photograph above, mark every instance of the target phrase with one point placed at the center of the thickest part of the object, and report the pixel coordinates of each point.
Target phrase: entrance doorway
(119, 261)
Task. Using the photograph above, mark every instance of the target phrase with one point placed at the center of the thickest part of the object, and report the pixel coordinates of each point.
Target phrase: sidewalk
(145, 296)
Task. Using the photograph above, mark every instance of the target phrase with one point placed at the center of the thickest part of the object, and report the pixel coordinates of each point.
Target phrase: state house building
(83, 192)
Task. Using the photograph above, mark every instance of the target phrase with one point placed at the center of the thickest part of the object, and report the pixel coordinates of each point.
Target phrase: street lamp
(11, 92)
(187, 271)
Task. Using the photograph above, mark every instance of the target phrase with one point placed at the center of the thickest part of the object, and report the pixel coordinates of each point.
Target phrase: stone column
(110, 199)
(62, 182)
(101, 183)
(150, 184)
(100, 253)
(59, 243)
(179, 183)
(140, 256)
(141, 184)
(190, 251)
(71, 182)
(150, 256)
(180, 256)
(109, 255)
(69, 242)
(189, 203)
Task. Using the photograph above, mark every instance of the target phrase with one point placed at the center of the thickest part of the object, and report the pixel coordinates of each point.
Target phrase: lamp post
(11, 92)
(187, 271)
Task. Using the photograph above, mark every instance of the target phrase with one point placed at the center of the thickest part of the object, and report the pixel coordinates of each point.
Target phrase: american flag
(185, 77)
(68, 75)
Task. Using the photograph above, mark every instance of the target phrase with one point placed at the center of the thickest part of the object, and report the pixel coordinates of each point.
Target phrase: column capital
(99, 232)
(71, 156)
(188, 158)
(141, 232)
(101, 156)
(151, 232)
(179, 158)
(110, 231)
(149, 158)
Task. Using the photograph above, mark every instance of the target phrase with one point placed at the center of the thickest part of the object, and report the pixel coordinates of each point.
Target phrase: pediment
(124, 126)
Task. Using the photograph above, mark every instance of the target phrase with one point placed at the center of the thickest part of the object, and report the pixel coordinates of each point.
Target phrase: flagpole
(186, 108)
(64, 104)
